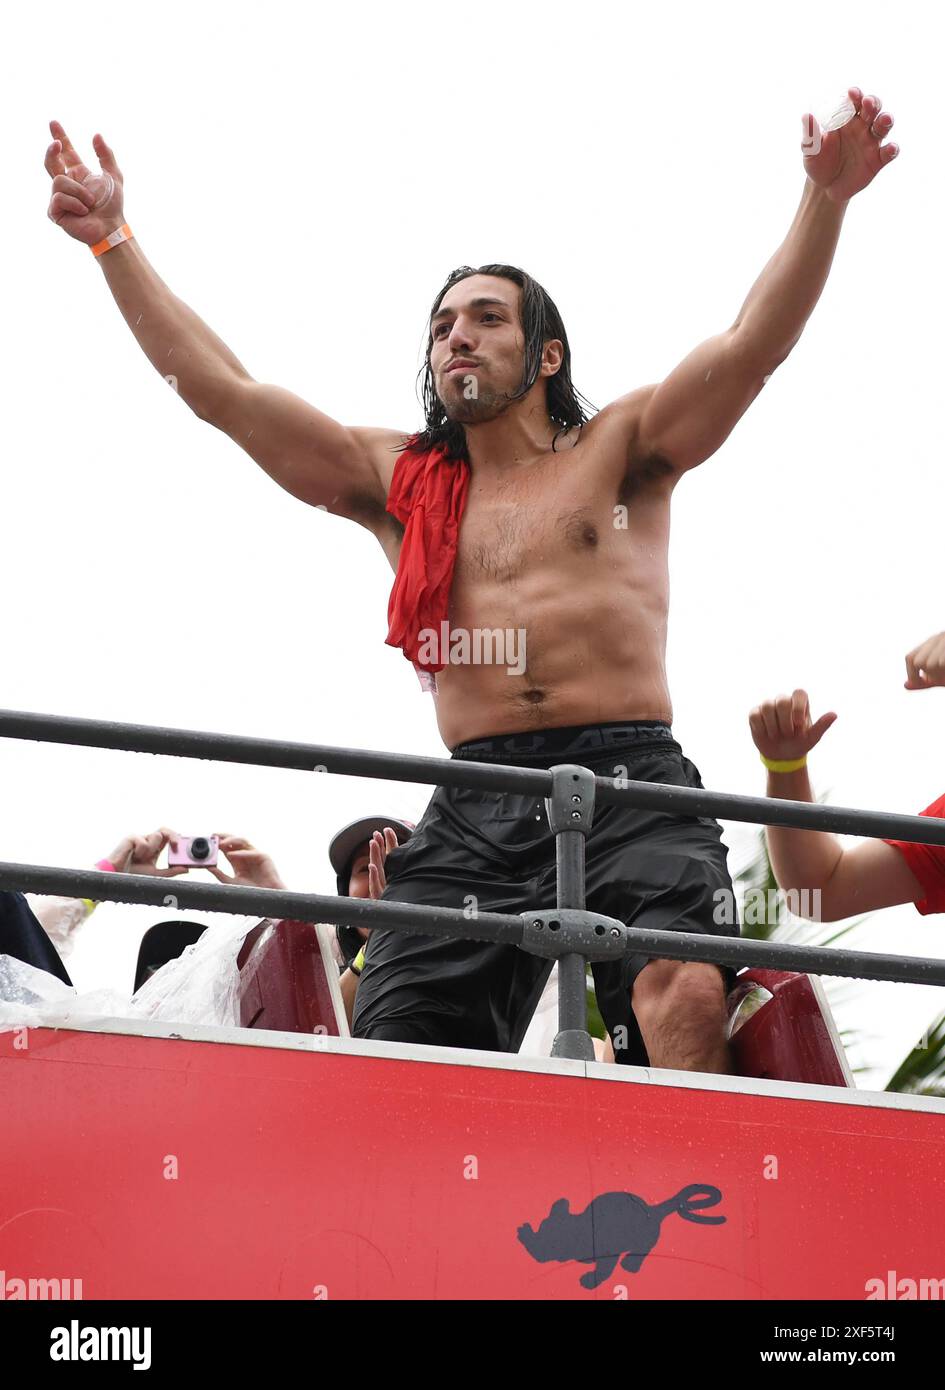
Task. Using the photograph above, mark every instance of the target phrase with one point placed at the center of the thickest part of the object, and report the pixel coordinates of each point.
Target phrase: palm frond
(922, 1071)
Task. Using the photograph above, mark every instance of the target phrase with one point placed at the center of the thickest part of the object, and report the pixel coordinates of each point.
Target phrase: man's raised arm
(346, 470)
(687, 417)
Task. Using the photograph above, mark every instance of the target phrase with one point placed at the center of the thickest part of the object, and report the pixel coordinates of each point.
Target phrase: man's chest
(581, 508)
(503, 538)
(556, 521)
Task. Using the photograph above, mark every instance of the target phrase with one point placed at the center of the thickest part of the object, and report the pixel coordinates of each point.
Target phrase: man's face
(478, 347)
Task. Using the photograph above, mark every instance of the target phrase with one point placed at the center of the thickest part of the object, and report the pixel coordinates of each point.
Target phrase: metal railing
(568, 933)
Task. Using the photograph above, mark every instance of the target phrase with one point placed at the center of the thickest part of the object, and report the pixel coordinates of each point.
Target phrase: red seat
(289, 980)
(792, 1036)
(289, 983)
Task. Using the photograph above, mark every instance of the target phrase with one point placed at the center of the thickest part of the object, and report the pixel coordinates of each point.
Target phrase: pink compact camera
(196, 851)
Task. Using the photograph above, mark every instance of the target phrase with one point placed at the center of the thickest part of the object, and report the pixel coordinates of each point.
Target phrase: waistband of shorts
(569, 744)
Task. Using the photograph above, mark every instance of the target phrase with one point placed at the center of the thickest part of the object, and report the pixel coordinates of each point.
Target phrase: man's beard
(487, 405)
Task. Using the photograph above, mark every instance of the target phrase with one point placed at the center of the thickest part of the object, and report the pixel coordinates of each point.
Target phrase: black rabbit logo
(615, 1226)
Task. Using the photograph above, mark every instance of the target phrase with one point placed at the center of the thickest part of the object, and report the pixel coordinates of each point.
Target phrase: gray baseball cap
(343, 845)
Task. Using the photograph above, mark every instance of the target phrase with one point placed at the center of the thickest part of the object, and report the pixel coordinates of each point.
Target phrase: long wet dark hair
(541, 322)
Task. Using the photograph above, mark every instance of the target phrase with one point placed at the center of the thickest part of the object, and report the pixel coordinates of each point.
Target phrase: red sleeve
(927, 862)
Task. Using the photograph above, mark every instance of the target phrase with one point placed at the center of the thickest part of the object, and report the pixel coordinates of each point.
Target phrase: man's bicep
(317, 459)
(690, 414)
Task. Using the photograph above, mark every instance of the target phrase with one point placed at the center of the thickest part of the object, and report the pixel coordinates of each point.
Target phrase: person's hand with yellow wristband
(784, 733)
(830, 882)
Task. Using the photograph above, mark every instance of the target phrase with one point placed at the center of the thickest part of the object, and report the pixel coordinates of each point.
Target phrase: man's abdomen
(574, 673)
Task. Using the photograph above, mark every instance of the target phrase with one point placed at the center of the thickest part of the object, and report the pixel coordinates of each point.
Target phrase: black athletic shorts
(495, 852)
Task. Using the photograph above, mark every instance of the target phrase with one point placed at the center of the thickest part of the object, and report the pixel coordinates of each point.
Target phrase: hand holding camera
(138, 854)
(251, 867)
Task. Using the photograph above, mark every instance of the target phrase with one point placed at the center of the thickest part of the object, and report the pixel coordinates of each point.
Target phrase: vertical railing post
(570, 814)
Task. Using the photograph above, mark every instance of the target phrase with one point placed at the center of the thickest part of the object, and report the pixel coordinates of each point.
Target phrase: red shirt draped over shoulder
(428, 495)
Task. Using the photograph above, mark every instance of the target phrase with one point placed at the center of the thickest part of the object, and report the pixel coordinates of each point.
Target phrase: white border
(326, 936)
(502, 1061)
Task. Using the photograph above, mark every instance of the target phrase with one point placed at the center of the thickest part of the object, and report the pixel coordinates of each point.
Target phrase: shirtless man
(564, 539)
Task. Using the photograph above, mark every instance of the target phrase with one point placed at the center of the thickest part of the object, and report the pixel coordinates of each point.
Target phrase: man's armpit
(637, 467)
(644, 471)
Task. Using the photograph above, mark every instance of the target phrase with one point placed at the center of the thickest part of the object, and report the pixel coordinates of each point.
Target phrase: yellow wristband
(357, 965)
(780, 765)
(89, 905)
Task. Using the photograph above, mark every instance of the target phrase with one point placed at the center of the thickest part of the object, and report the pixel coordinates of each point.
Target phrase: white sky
(305, 178)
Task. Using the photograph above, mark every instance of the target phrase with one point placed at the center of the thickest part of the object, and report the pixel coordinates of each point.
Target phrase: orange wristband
(115, 238)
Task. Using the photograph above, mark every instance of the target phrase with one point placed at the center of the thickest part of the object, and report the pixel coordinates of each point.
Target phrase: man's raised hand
(925, 666)
(782, 728)
(844, 161)
(88, 206)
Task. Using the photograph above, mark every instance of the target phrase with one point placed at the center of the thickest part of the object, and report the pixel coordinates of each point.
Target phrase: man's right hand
(782, 728)
(76, 190)
(346, 470)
